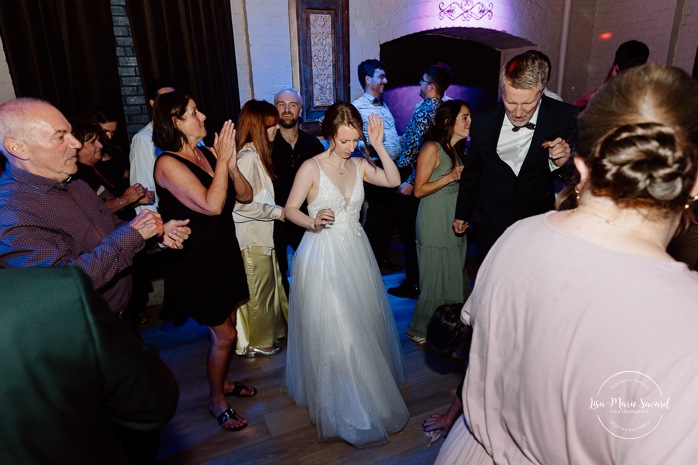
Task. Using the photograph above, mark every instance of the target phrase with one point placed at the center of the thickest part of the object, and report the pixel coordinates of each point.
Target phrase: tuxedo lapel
(545, 123)
(494, 128)
(544, 126)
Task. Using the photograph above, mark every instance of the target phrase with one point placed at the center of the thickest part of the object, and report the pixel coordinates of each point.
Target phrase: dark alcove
(475, 71)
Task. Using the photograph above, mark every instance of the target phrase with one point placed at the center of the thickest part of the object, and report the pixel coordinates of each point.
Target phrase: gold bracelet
(119, 200)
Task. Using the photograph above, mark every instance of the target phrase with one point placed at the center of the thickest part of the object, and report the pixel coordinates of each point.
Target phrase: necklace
(339, 170)
(196, 154)
(614, 225)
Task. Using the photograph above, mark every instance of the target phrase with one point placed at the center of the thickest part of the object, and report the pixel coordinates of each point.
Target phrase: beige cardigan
(254, 221)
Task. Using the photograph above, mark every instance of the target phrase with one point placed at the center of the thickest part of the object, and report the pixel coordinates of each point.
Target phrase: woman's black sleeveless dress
(206, 279)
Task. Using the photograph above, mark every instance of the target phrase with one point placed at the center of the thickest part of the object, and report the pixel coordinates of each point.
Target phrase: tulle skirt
(343, 360)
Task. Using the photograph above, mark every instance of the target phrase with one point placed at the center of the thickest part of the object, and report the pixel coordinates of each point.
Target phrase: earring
(690, 201)
(576, 193)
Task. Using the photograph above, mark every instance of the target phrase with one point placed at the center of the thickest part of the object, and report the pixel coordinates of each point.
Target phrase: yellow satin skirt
(262, 320)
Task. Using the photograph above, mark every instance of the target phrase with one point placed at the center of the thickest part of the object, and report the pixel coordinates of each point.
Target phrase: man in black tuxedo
(518, 148)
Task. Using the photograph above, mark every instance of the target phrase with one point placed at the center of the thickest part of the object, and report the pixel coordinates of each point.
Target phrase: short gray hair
(291, 90)
(16, 121)
(525, 71)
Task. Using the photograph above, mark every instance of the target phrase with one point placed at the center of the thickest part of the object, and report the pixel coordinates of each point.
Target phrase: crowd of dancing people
(568, 306)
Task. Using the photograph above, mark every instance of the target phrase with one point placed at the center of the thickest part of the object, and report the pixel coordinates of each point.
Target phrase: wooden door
(323, 40)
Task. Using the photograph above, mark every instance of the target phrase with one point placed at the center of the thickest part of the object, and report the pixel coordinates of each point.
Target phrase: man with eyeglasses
(379, 219)
(432, 86)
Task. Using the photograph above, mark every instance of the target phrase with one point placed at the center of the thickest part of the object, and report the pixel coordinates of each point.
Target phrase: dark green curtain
(62, 51)
(190, 42)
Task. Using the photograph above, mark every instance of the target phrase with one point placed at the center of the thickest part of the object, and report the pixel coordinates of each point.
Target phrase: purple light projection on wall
(498, 15)
(402, 101)
(465, 10)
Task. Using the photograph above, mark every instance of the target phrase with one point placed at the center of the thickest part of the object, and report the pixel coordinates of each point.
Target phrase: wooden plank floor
(278, 431)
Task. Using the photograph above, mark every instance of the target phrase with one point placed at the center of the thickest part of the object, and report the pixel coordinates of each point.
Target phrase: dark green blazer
(70, 372)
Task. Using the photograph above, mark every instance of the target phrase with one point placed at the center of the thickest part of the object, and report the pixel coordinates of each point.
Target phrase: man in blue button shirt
(379, 220)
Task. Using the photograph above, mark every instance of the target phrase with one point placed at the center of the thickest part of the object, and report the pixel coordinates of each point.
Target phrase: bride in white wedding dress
(343, 358)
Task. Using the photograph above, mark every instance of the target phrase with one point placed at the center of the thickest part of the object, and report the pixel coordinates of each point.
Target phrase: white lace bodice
(346, 215)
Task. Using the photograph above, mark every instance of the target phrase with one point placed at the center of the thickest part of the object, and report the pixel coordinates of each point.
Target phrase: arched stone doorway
(474, 55)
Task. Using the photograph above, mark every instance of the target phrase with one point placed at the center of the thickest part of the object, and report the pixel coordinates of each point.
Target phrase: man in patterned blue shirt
(432, 86)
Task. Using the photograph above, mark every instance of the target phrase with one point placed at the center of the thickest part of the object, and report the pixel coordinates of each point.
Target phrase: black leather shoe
(387, 265)
(409, 291)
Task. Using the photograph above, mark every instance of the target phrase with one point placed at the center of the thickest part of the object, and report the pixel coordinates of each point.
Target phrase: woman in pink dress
(584, 342)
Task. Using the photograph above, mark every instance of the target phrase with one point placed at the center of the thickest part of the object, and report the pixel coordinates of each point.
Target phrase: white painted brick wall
(373, 23)
(7, 92)
(687, 40)
(262, 40)
(540, 21)
(579, 45)
(269, 47)
(242, 49)
(645, 20)
(263, 51)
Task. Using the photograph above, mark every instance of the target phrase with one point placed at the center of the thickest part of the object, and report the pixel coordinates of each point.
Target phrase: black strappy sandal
(229, 414)
(238, 387)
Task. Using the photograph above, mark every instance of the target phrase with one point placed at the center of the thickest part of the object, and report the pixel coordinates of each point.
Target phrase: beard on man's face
(286, 122)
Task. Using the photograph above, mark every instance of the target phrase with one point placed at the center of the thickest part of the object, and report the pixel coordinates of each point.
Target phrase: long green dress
(440, 253)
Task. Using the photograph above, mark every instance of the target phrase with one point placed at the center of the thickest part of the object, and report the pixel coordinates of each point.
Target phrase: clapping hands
(175, 233)
(137, 193)
(224, 145)
(172, 234)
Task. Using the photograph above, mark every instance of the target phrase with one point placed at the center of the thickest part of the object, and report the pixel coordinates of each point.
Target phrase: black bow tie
(377, 102)
(530, 126)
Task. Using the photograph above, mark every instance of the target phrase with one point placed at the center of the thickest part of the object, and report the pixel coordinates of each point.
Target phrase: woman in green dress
(440, 252)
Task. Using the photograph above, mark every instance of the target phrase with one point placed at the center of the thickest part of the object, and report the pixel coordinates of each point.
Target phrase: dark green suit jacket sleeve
(70, 372)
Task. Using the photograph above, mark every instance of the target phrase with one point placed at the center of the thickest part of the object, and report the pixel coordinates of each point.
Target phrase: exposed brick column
(132, 95)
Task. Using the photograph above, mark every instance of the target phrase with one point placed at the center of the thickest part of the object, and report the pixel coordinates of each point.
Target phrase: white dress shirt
(367, 105)
(142, 159)
(512, 147)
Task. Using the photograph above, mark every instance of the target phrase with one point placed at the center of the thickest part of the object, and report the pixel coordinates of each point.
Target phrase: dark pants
(380, 219)
(406, 207)
(286, 234)
(281, 248)
(487, 235)
(141, 287)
